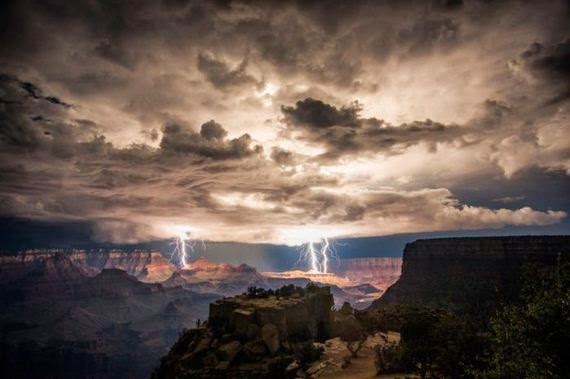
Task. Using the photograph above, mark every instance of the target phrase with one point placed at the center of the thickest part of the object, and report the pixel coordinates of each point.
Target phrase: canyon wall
(470, 274)
(380, 272)
(147, 266)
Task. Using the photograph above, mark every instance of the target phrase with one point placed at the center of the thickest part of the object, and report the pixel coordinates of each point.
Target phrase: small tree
(531, 339)
(387, 358)
(439, 343)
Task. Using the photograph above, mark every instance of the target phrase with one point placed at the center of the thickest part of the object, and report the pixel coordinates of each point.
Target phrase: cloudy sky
(285, 121)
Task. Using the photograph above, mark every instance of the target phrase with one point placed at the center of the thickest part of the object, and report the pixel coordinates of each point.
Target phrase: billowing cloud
(343, 132)
(209, 143)
(312, 113)
(265, 121)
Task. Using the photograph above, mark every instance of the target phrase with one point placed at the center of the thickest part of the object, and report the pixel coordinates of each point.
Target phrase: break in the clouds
(285, 121)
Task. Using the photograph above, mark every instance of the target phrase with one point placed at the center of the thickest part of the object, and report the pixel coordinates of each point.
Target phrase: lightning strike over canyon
(195, 188)
(181, 248)
(317, 257)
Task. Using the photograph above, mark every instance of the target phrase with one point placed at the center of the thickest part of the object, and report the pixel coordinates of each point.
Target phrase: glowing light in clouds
(181, 247)
(316, 247)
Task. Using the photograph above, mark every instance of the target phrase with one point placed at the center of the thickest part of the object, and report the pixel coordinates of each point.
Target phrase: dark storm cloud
(550, 61)
(30, 89)
(220, 75)
(116, 54)
(282, 156)
(31, 121)
(342, 131)
(426, 35)
(212, 130)
(97, 117)
(209, 143)
(315, 113)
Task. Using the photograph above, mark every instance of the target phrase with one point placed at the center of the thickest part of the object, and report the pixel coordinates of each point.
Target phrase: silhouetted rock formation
(254, 335)
(469, 275)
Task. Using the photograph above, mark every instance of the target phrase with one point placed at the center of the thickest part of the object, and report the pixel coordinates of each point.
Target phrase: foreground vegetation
(525, 339)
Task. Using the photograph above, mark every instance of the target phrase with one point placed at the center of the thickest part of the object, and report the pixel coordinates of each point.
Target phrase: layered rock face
(469, 275)
(380, 272)
(255, 335)
(205, 276)
(148, 266)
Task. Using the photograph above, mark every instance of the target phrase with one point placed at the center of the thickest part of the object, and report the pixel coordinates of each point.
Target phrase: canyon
(92, 312)
(461, 280)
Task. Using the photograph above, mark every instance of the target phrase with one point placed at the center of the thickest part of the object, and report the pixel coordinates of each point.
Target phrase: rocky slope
(469, 275)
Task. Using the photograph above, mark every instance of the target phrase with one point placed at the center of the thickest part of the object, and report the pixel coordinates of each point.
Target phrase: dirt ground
(362, 367)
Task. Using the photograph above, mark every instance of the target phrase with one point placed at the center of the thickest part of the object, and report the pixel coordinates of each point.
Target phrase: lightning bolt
(313, 260)
(325, 255)
(317, 256)
(181, 247)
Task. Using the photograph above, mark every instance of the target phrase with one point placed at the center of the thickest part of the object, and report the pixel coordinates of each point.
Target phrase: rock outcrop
(255, 335)
(469, 275)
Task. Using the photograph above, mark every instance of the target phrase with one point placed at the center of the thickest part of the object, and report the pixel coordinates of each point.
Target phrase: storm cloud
(258, 121)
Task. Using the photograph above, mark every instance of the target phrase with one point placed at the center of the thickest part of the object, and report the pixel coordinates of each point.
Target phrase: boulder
(223, 366)
(270, 336)
(242, 318)
(254, 350)
(253, 332)
(203, 345)
(210, 360)
(228, 351)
